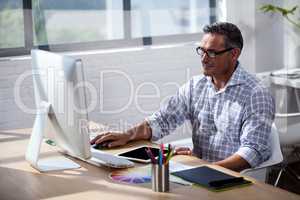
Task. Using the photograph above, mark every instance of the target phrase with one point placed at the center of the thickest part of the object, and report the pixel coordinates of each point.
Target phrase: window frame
(128, 41)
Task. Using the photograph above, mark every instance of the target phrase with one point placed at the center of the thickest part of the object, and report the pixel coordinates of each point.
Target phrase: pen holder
(160, 177)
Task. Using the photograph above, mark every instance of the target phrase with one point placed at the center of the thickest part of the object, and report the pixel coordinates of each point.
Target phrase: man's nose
(204, 58)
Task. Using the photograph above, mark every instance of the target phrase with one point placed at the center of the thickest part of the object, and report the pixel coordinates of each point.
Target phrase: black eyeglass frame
(211, 54)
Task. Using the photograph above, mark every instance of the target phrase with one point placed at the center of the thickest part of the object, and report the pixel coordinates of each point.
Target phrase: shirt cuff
(249, 154)
(155, 128)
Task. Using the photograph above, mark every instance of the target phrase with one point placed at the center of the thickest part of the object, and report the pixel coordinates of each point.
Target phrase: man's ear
(236, 53)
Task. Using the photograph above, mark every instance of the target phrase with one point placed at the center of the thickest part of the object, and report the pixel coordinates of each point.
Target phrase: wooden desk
(20, 181)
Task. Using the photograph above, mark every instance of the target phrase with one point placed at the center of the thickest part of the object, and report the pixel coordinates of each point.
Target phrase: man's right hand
(111, 139)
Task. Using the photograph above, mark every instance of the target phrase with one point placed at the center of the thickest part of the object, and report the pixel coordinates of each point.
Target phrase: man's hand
(183, 151)
(111, 139)
(234, 162)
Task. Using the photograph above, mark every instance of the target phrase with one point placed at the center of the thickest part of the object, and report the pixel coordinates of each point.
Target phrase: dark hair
(232, 34)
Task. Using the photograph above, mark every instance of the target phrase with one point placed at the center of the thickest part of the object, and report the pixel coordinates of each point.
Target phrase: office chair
(286, 88)
(260, 172)
(290, 141)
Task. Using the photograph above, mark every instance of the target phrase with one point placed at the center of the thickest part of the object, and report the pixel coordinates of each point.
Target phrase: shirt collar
(236, 78)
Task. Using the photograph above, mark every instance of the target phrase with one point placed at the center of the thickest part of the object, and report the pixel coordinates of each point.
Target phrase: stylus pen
(149, 153)
(162, 153)
(168, 157)
(160, 158)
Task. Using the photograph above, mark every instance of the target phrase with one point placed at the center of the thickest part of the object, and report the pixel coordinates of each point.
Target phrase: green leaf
(270, 8)
(267, 8)
(293, 9)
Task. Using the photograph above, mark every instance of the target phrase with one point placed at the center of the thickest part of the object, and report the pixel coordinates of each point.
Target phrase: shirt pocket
(206, 126)
(229, 121)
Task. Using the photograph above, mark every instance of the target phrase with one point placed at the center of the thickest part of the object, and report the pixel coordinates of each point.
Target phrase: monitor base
(36, 141)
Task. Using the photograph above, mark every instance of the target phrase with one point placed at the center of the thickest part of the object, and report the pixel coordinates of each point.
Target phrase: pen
(162, 153)
(160, 158)
(168, 154)
(149, 153)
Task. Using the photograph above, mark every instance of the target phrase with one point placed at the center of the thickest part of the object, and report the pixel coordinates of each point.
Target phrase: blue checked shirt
(234, 120)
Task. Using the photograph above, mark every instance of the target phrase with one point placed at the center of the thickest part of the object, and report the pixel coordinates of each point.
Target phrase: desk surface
(19, 181)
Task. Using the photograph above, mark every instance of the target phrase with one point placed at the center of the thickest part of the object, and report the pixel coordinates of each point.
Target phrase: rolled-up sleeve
(172, 114)
(257, 122)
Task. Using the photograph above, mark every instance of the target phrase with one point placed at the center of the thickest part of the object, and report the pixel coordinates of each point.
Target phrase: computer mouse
(102, 145)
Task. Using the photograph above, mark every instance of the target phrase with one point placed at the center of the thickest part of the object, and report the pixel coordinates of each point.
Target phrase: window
(64, 25)
(73, 21)
(168, 17)
(11, 24)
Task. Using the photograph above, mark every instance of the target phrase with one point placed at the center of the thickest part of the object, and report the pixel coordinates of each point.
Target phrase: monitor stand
(33, 150)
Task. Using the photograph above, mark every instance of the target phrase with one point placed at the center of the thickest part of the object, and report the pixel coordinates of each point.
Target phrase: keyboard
(102, 158)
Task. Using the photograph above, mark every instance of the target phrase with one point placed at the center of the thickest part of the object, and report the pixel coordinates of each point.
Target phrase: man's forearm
(234, 162)
(140, 132)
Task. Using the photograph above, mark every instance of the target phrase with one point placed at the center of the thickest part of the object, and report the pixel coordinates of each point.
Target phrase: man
(230, 111)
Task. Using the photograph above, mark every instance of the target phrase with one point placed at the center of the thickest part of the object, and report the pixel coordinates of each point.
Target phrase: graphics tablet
(139, 154)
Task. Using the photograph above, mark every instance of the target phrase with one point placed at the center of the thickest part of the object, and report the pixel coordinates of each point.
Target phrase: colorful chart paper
(136, 175)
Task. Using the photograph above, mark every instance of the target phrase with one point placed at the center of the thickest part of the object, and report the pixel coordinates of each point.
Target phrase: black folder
(211, 178)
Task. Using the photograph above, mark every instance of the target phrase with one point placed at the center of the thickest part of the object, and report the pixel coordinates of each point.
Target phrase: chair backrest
(276, 157)
(288, 129)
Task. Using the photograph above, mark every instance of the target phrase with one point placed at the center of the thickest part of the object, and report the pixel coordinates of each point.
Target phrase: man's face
(221, 64)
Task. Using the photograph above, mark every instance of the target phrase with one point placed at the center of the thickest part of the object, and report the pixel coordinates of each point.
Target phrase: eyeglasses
(211, 53)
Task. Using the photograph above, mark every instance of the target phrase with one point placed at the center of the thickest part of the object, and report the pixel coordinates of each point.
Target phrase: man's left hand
(183, 151)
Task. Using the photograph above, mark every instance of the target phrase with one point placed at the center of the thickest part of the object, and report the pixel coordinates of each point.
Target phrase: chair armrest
(265, 164)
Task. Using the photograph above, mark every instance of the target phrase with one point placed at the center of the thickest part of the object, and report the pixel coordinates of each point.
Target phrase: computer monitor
(61, 109)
